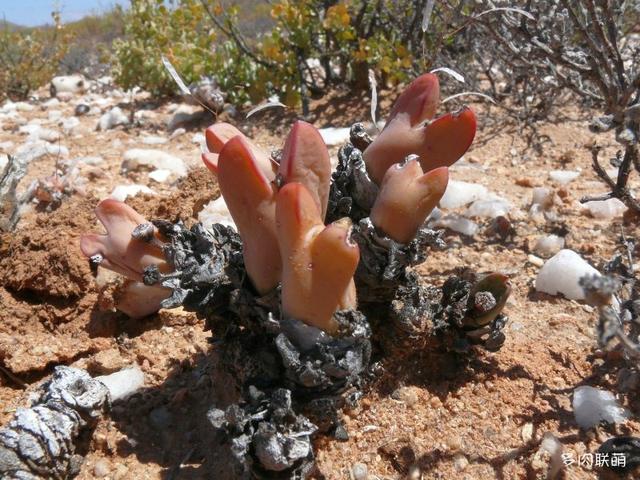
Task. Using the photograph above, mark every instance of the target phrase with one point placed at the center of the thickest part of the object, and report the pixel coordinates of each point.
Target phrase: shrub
(30, 57)
(585, 47)
(314, 44)
(153, 28)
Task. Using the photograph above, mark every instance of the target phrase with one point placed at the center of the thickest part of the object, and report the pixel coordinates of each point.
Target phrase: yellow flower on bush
(277, 10)
(362, 53)
(337, 16)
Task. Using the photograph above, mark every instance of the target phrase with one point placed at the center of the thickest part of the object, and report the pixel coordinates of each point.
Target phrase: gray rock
(40, 442)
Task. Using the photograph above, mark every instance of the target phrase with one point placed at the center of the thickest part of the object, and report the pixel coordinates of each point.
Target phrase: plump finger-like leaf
(419, 101)
(297, 215)
(440, 143)
(218, 134)
(138, 300)
(120, 252)
(406, 198)
(334, 259)
(446, 139)
(399, 138)
(305, 159)
(498, 285)
(250, 198)
(318, 262)
(210, 160)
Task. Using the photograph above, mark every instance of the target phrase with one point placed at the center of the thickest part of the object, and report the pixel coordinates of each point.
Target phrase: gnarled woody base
(270, 359)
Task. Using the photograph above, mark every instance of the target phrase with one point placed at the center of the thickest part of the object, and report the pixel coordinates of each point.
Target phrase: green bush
(305, 48)
(29, 58)
(153, 28)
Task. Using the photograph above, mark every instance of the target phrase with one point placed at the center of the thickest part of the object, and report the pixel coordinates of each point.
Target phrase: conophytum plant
(310, 241)
(282, 229)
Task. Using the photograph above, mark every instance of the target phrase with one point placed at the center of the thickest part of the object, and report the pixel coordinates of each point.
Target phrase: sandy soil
(429, 416)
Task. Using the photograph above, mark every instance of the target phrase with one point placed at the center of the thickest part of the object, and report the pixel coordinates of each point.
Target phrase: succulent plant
(130, 245)
(305, 159)
(399, 177)
(246, 183)
(250, 196)
(218, 134)
(407, 196)
(410, 130)
(119, 250)
(282, 291)
(318, 261)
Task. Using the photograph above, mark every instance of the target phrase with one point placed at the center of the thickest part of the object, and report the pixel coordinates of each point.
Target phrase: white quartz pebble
(121, 192)
(562, 274)
(459, 194)
(458, 224)
(563, 177)
(123, 383)
(548, 245)
(605, 209)
(592, 406)
(136, 158)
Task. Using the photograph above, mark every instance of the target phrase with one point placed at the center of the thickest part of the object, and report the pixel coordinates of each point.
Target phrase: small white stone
(605, 209)
(136, 158)
(527, 432)
(561, 274)
(184, 114)
(90, 160)
(51, 103)
(548, 245)
(68, 84)
(123, 383)
(216, 211)
(122, 192)
(112, 118)
(543, 196)
(460, 462)
(198, 139)
(563, 177)
(101, 468)
(154, 140)
(458, 224)
(491, 208)
(160, 175)
(177, 132)
(459, 194)
(6, 146)
(547, 461)
(54, 115)
(359, 471)
(533, 260)
(69, 124)
(333, 136)
(24, 107)
(36, 132)
(592, 406)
